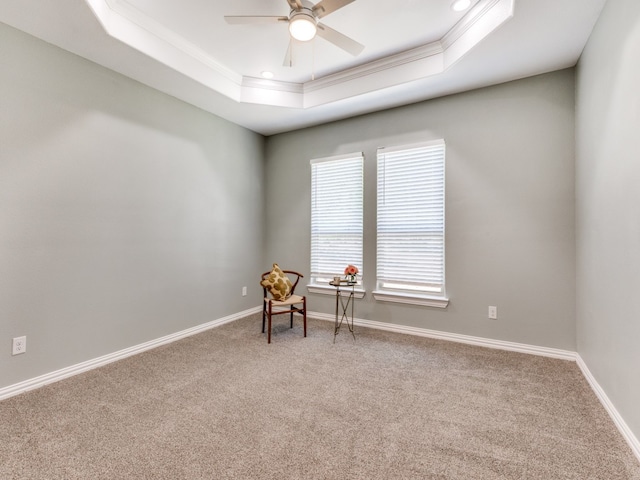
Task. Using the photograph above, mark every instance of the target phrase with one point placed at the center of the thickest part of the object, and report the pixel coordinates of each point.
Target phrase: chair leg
(264, 312)
(304, 314)
(269, 334)
(291, 320)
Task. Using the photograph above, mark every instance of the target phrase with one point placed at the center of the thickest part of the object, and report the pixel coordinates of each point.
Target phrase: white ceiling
(414, 50)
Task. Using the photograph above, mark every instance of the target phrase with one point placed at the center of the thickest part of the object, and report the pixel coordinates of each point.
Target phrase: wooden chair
(293, 304)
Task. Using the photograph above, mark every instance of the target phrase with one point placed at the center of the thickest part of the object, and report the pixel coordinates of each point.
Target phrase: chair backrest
(290, 274)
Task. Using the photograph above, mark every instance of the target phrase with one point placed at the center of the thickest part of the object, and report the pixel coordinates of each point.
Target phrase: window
(410, 228)
(336, 216)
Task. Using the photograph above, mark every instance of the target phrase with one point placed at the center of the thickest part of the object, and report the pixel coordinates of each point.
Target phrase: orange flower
(351, 270)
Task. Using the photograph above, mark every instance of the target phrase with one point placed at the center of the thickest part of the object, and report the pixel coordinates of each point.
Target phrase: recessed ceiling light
(267, 74)
(460, 5)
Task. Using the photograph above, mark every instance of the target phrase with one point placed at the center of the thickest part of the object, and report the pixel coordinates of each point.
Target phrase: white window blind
(410, 247)
(336, 215)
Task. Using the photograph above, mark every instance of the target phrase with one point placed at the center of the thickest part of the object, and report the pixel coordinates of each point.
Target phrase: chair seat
(292, 300)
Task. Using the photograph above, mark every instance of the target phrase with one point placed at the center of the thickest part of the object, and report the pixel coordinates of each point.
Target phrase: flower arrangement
(351, 273)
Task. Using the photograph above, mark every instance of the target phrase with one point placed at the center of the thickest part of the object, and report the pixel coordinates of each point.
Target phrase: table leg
(336, 326)
(345, 313)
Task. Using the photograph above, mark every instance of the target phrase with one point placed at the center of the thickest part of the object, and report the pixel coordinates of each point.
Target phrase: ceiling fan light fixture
(302, 26)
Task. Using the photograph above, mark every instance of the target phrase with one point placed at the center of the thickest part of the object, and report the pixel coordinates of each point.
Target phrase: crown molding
(290, 87)
(130, 26)
(479, 10)
(122, 21)
(271, 92)
(126, 12)
(483, 19)
(377, 66)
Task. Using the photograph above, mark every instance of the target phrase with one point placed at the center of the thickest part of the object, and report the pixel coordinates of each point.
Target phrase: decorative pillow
(278, 284)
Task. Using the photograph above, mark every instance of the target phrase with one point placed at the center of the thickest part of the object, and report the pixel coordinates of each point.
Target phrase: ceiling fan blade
(295, 5)
(325, 7)
(339, 40)
(250, 19)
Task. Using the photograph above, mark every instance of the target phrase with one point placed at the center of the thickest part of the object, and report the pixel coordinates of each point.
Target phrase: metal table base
(342, 307)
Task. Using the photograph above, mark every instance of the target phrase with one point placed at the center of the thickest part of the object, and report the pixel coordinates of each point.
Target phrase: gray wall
(608, 212)
(510, 236)
(125, 214)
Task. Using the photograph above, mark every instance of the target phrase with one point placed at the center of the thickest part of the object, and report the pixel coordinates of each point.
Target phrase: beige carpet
(225, 405)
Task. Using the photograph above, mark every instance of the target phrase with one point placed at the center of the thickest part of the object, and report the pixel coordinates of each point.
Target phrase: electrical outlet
(19, 345)
(493, 313)
(244, 291)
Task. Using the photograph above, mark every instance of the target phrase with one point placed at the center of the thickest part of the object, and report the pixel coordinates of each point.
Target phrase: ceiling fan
(304, 25)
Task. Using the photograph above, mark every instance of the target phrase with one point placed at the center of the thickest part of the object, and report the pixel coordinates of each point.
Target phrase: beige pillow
(278, 284)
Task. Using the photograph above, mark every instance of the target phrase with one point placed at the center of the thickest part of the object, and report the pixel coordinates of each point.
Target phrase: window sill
(411, 299)
(329, 290)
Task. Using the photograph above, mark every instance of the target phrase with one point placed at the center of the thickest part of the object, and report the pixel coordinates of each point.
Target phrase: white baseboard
(63, 373)
(455, 337)
(624, 429)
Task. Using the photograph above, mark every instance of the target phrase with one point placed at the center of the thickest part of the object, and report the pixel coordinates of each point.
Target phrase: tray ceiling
(414, 50)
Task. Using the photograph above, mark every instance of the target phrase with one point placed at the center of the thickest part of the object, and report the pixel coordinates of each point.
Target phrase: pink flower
(351, 270)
